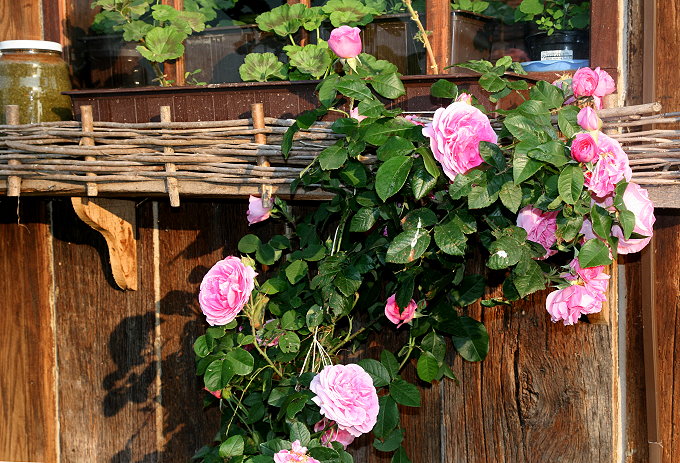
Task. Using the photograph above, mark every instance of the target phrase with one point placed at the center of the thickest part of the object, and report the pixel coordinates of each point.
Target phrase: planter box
(111, 62)
(471, 36)
(232, 101)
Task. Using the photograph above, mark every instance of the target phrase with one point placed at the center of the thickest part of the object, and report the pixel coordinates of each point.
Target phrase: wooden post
(257, 110)
(13, 181)
(170, 182)
(439, 23)
(175, 71)
(88, 126)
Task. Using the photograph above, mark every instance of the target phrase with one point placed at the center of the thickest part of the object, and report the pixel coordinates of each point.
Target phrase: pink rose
(584, 82)
(297, 454)
(345, 394)
(583, 148)
(345, 41)
(605, 83)
(594, 279)
(455, 133)
(354, 114)
(588, 120)
(610, 168)
(333, 434)
(225, 290)
(587, 230)
(540, 227)
(413, 118)
(256, 211)
(570, 303)
(396, 315)
(464, 98)
(637, 201)
(217, 394)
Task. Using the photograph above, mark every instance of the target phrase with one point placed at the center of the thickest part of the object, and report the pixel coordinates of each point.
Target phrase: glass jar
(33, 75)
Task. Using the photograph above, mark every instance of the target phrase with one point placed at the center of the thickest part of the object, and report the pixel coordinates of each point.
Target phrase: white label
(557, 55)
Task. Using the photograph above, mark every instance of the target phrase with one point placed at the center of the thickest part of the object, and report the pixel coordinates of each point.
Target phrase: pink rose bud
(610, 168)
(605, 83)
(225, 290)
(297, 454)
(345, 41)
(455, 133)
(570, 303)
(256, 211)
(465, 98)
(354, 114)
(397, 316)
(637, 201)
(541, 227)
(583, 148)
(584, 82)
(217, 394)
(333, 434)
(345, 394)
(588, 120)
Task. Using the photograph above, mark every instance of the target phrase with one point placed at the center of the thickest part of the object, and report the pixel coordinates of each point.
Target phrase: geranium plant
(555, 15)
(546, 201)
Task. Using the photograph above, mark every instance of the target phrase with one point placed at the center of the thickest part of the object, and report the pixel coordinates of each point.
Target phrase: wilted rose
(345, 394)
(570, 303)
(399, 316)
(225, 290)
(637, 201)
(455, 133)
(345, 41)
(256, 211)
(541, 227)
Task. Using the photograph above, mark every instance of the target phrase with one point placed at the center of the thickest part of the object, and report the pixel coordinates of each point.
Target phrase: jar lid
(30, 45)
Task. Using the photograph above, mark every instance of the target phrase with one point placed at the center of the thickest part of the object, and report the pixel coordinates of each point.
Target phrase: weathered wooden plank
(27, 388)
(105, 343)
(20, 20)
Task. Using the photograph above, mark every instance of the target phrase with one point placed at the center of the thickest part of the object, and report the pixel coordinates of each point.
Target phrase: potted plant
(562, 29)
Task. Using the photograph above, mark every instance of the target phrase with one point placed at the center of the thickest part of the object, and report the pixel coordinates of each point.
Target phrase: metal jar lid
(30, 45)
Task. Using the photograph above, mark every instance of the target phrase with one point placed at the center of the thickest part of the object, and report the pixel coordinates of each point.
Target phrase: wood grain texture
(105, 345)
(439, 23)
(667, 290)
(604, 28)
(667, 59)
(20, 20)
(27, 384)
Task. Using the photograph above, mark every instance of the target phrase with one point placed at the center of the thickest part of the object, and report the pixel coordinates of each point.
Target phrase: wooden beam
(115, 220)
(438, 15)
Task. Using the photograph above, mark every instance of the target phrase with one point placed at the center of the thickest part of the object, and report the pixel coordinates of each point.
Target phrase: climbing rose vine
(539, 192)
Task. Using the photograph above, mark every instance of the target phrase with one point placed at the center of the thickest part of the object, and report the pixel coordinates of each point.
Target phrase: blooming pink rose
(225, 289)
(345, 394)
(570, 303)
(345, 41)
(455, 133)
(540, 227)
(256, 211)
(584, 82)
(587, 118)
(354, 114)
(297, 454)
(637, 201)
(333, 434)
(396, 315)
(583, 148)
(610, 168)
(605, 83)
(594, 279)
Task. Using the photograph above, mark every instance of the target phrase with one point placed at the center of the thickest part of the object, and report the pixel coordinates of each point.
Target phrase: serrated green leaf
(444, 89)
(469, 337)
(593, 254)
(376, 371)
(427, 367)
(162, 44)
(388, 85)
(262, 67)
(353, 87)
(570, 183)
(450, 238)
(284, 20)
(289, 342)
(566, 121)
(392, 175)
(299, 432)
(511, 196)
(364, 219)
(333, 157)
(390, 362)
(469, 290)
(240, 361)
(296, 271)
(549, 94)
(248, 244)
(311, 59)
(408, 246)
(528, 277)
(523, 168)
(405, 393)
(232, 447)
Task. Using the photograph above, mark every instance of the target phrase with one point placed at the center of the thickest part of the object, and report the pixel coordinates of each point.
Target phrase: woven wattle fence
(237, 157)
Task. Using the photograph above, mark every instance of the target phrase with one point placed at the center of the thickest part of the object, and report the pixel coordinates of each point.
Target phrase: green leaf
(528, 277)
(523, 168)
(548, 94)
(391, 442)
(405, 393)
(202, 347)
(213, 375)
(262, 67)
(333, 157)
(273, 285)
(469, 290)
(395, 146)
(430, 163)
(232, 447)
(314, 316)
(570, 183)
(593, 254)
(376, 371)
(240, 361)
(400, 456)
(444, 89)
(164, 13)
(135, 31)
(312, 18)
(434, 344)
(347, 12)
(392, 175)
(551, 152)
(408, 246)
(249, 244)
(492, 155)
(388, 85)
(296, 271)
(470, 338)
(566, 120)
(353, 87)
(491, 82)
(379, 133)
(428, 367)
(299, 431)
(505, 251)
(364, 219)
(354, 174)
(283, 20)
(602, 221)
(162, 44)
(289, 342)
(388, 417)
(511, 196)
(627, 220)
(327, 90)
(521, 128)
(450, 238)
(421, 182)
(266, 254)
(419, 218)
(310, 59)
(390, 362)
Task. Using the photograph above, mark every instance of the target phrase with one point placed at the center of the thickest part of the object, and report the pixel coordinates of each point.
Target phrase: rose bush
(544, 203)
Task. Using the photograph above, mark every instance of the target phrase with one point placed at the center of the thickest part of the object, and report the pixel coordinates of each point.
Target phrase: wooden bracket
(115, 220)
